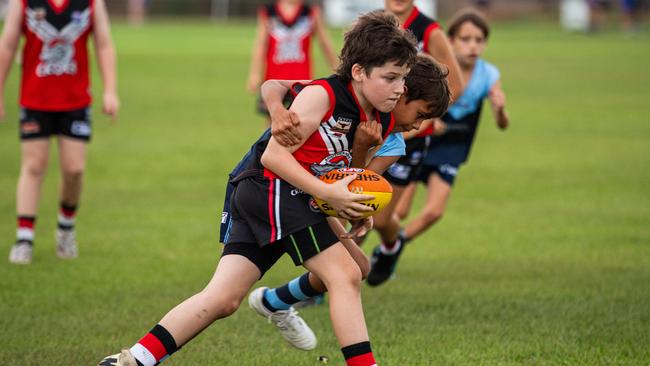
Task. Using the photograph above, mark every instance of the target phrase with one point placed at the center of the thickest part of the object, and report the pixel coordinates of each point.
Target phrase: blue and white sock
(282, 298)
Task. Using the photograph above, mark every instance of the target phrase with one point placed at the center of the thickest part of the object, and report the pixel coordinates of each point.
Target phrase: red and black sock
(67, 214)
(359, 354)
(25, 229)
(154, 347)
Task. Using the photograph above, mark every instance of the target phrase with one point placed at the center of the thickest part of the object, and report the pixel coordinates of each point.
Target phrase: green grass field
(543, 257)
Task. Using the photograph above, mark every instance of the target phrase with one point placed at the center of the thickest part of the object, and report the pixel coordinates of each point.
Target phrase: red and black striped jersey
(288, 51)
(421, 26)
(55, 57)
(329, 147)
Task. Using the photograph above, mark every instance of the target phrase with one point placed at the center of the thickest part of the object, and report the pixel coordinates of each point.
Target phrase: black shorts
(407, 168)
(301, 246)
(446, 172)
(39, 124)
(265, 211)
(261, 106)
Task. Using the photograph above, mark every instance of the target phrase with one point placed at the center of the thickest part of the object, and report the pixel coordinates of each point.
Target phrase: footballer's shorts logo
(334, 161)
(30, 127)
(313, 206)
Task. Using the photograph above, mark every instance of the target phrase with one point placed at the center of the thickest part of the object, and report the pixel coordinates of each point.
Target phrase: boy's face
(410, 115)
(468, 44)
(399, 7)
(383, 86)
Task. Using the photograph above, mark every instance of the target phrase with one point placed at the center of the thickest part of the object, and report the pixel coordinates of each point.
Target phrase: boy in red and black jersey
(55, 100)
(282, 48)
(280, 183)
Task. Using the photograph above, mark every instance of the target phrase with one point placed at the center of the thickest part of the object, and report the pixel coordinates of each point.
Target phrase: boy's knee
(219, 306)
(35, 168)
(73, 173)
(433, 215)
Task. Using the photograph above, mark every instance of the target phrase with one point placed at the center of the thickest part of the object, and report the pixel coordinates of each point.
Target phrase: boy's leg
(438, 191)
(232, 279)
(342, 277)
(72, 156)
(33, 166)
(406, 201)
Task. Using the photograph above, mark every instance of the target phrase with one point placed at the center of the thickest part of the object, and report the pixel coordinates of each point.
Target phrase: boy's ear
(358, 72)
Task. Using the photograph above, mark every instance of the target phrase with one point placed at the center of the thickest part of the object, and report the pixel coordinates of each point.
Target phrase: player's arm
(388, 153)
(441, 50)
(257, 55)
(283, 121)
(105, 57)
(413, 133)
(379, 164)
(498, 102)
(323, 38)
(310, 106)
(8, 45)
(357, 254)
(367, 136)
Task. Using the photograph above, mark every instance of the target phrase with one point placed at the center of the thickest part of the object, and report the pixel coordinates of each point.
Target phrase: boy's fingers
(362, 197)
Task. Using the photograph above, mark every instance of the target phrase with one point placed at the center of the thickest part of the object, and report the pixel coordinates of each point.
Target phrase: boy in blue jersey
(468, 32)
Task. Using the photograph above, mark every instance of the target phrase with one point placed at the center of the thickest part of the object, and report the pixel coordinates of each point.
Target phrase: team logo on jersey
(40, 13)
(57, 53)
(334, 161)
(77, 16)
(289, 40)
(342, 125)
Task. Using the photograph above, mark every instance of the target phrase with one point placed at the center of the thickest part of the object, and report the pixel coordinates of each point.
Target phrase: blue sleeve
(393, 146)
(492, 75)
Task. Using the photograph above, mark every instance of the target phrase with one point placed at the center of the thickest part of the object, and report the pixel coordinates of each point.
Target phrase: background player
(468, 32)
(433, 41)
(55, 100)
(282, 48)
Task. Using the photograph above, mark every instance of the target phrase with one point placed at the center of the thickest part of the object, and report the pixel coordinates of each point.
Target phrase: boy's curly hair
(374, 40)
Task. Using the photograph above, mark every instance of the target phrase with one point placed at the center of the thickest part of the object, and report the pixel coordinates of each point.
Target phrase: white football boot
(66, 244)
(124, 358)
(21, 253)
(293, 329)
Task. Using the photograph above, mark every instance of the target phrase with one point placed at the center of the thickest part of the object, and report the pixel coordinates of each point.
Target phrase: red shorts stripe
(153, 344)
(271, 211)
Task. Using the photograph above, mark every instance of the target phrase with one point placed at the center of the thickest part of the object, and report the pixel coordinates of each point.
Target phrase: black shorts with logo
(39, 124)
(407, 168)
(268, 212)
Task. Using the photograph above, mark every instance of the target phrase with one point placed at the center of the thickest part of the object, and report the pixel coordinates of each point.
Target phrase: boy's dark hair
(428, 81)
(468, 15)
(375, 39)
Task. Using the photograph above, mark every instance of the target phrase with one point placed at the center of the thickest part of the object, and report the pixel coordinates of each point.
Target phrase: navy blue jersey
(462, 119)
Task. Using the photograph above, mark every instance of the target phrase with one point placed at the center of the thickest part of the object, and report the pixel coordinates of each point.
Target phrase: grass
(543, 257)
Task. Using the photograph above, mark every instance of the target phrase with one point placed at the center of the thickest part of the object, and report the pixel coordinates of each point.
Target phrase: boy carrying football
(369, 82)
